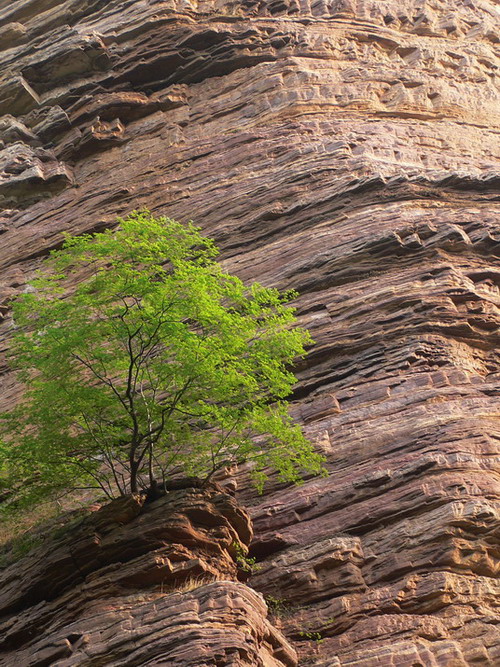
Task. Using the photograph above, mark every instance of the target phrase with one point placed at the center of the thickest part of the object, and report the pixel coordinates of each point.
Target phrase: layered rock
(348, 149)
(136, 584)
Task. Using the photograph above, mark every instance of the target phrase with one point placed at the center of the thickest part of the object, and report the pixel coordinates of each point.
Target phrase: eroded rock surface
(348, 149)
(137, 584)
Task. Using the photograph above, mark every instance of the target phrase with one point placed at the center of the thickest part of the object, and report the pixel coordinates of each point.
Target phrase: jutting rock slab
(137, 584)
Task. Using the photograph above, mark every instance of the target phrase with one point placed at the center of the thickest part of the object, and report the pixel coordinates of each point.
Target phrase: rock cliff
(140, 584)
(348, 149)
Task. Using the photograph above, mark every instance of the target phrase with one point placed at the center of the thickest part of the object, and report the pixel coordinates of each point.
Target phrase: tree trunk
(133, 475)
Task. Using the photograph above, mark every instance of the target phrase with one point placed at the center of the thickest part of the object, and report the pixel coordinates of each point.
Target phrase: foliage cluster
(141, 358)
(245, 563)
(278, 607)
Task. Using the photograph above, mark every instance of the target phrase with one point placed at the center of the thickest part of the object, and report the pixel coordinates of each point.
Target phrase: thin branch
(79, 464)
(101, 378)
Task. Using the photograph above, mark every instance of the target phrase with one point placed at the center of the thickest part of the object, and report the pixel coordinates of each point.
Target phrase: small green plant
(312, 636)
(245, 562)
(277, 606)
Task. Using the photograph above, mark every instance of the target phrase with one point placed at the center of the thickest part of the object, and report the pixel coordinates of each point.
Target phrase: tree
(142, 358)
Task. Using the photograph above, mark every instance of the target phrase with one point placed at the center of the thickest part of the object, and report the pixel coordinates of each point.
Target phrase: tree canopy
(141, 358)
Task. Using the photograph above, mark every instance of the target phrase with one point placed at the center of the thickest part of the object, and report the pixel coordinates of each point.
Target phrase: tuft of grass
(190, 584)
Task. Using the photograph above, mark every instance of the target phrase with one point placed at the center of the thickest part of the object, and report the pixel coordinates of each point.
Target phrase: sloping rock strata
(140, 584)
(349, 149)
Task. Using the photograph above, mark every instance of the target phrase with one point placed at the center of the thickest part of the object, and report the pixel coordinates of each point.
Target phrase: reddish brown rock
(132, 584)
(348, 149)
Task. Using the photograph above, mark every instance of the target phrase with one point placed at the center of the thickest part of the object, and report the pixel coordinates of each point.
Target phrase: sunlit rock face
(137, 583)
(347, 149)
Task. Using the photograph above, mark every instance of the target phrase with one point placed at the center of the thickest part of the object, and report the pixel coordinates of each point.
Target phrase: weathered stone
(222, 621)
(11, 34)
(12, 131)
(120, 567)
(348, 149)
(17, 96)
(48, 122)
(208, 521)
(27, 175)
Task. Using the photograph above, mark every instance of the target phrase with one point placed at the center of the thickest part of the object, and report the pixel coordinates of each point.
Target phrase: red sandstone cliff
(349, 149)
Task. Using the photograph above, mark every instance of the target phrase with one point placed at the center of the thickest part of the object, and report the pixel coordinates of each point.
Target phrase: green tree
(141, 358)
